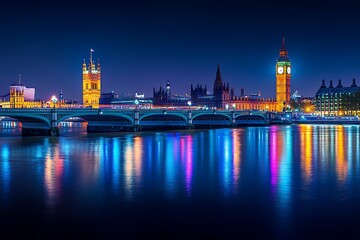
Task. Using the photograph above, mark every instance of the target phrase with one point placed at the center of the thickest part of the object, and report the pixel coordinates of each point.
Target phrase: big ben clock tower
(283, 76)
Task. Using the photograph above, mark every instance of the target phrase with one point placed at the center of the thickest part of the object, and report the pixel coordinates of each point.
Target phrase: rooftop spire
(354, 83)
(283, 42)
(91, 51)
(19, 79)
(218, 74)
(283, 51)
(323, 84)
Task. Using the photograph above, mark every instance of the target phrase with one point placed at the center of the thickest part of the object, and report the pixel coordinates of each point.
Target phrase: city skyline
(149, 44)
(180, 119)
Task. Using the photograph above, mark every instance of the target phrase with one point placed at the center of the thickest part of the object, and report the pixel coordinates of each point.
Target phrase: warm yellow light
(53, 99)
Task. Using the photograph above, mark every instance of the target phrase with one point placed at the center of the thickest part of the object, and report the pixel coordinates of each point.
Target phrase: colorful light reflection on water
(283, 172)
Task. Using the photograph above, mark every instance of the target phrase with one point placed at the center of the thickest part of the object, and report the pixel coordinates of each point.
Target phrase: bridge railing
(25, 109)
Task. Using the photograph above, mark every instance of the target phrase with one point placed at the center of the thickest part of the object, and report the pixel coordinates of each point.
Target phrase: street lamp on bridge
(54, 100)
(189, 104)
(136, 103)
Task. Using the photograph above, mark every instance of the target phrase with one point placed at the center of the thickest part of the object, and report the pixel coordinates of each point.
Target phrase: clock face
(289, 70)
(280, 70)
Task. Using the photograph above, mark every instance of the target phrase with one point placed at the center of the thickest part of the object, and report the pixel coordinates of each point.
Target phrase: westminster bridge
(45, 121)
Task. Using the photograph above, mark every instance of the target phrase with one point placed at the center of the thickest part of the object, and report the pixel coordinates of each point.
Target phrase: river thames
(272, 182)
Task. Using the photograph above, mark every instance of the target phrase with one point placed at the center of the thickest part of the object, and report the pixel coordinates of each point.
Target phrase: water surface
(275, 182)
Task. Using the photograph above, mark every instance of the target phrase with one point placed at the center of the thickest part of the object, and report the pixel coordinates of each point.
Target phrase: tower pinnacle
(218, 74)
(283, 52)
(91, 51)
(283, 42)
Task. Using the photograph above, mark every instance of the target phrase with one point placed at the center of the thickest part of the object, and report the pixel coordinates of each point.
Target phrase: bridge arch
(210, 120)
(215, 115)
(104, 117)
(40, 120)
(255, 119)
(166, 115)
(158, 121)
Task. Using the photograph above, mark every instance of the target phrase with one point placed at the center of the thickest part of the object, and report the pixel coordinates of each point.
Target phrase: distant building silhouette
(197, 94)
(223, 97)
(163, 97)
(222, 93)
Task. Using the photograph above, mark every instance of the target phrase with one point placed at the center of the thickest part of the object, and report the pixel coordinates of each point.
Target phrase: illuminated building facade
(16, 97)
(283, 76)
(20, 96)
(223, 97)
(91, 83)
(29, 93)
(339, 100)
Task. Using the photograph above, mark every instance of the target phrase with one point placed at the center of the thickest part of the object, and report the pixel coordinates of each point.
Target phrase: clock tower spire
(283, 76)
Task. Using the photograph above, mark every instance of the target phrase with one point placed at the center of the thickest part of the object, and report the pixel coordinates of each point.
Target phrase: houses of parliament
(223, 97)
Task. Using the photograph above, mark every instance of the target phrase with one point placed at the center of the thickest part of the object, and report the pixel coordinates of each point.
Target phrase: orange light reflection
(341, 163)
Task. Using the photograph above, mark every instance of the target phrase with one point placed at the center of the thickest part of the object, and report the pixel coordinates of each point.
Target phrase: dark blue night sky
(143, 45)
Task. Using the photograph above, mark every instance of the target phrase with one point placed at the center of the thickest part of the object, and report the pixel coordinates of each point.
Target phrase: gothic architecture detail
(223, 97)
(91, 83)
(163, 95)
(283, 76)
(222, 94)
(197, 94)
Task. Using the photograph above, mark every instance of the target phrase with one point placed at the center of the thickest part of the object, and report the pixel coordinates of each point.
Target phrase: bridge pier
(34, 127)
(233, 119)
(268, 118)
(137, 127)
(54, 129)
(189, 122)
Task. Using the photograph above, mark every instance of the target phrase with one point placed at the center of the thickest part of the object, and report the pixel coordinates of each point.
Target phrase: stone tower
(91, 83)
(283, 76)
